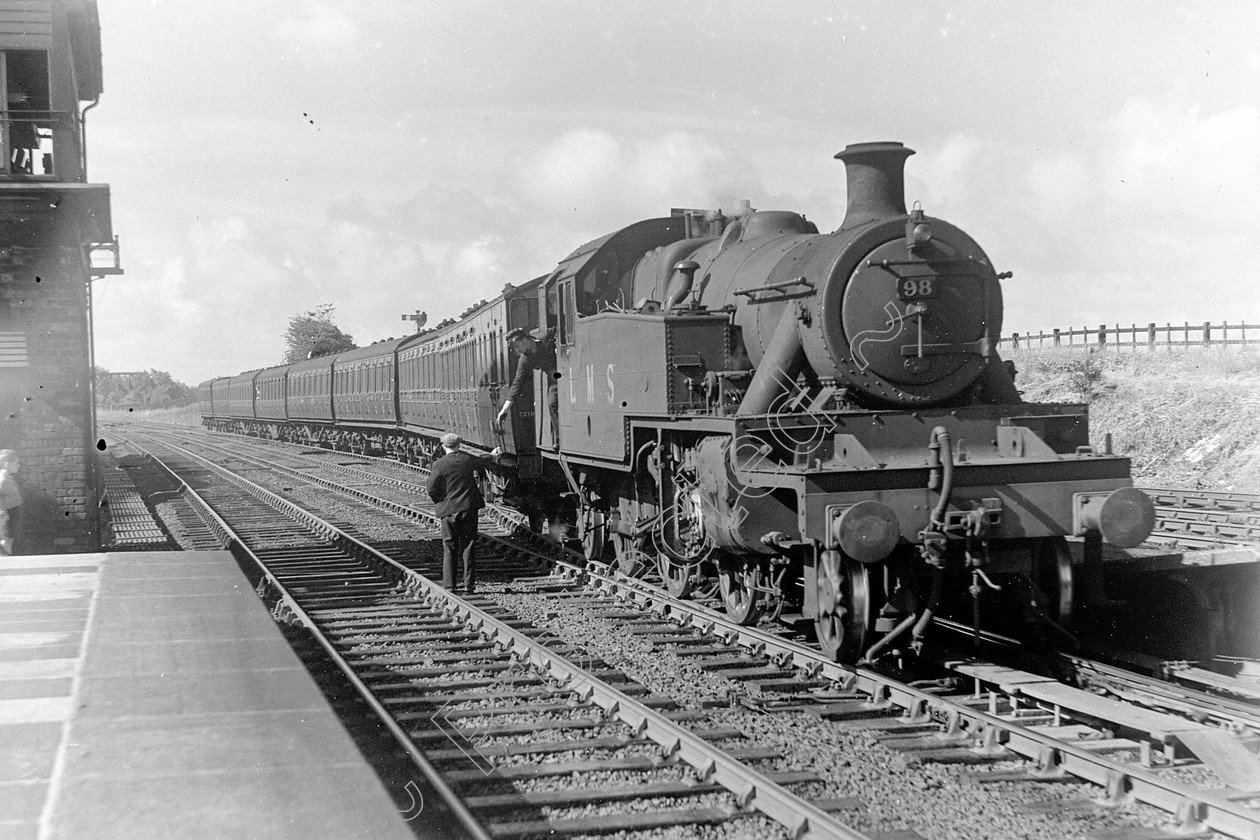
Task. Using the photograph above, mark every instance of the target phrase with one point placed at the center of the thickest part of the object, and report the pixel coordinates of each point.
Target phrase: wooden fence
(1151, 336)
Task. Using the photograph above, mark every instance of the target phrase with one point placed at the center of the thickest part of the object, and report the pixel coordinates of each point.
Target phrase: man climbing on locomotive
(534, 355)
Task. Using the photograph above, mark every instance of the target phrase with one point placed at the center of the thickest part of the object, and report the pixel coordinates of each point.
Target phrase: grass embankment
(1186, 418)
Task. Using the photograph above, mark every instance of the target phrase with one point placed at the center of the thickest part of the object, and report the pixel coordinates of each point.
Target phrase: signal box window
(27, 114)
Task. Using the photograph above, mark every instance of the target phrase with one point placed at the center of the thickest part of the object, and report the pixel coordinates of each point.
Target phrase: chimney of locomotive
(876, 181)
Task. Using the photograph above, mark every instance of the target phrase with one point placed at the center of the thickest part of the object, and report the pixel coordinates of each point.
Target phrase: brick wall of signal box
(45, 396)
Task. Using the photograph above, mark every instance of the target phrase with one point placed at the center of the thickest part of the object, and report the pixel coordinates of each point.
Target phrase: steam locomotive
(817, 426)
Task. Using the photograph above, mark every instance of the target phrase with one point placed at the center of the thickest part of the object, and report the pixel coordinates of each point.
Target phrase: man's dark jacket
(453, 483)
(542, 357)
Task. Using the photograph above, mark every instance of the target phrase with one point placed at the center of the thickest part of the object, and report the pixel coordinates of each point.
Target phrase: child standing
(10, 499)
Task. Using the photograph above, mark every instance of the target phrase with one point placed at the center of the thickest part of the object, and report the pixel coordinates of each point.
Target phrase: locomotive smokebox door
(913, 322)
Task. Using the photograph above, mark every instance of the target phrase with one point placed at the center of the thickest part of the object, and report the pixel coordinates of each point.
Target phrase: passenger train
(816, 425)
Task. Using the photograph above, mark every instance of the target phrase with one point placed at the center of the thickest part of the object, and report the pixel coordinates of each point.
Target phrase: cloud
(1059, 184)
(320, 27)
(1171, 160)
(590, 172)
(948, 171)
(1145, 219)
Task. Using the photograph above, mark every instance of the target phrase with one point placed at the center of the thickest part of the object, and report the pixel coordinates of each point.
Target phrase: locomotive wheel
(1052, 570)
(593, 531)
(740, 580)
(680, 542)
(630, 558)
(675, 573)
(845, 612)
(683, 530)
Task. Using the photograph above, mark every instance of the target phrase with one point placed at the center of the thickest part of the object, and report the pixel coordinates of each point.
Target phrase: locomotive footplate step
(144, 695)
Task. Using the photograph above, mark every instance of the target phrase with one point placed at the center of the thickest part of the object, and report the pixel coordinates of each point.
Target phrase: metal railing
(1150, 336)
(29, 139)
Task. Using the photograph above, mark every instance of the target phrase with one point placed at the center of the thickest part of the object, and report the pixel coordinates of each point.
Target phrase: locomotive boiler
(817, 426)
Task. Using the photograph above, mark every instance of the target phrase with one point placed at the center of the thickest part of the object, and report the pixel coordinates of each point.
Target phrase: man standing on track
(453, 486)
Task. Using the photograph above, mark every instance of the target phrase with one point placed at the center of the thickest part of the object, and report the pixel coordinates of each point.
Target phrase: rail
(1149, 337)
(233, 541)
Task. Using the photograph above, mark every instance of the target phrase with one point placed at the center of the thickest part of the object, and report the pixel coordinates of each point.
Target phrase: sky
(388, 156)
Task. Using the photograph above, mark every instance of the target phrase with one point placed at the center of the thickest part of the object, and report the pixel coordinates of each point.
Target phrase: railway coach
(394, 397)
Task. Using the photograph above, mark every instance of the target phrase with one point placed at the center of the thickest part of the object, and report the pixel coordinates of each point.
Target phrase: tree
(141, 389)
(313, 333)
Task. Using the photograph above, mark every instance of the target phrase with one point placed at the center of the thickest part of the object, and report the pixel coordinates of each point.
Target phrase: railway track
(476, 699)
(1007, 714)
(1121, 745)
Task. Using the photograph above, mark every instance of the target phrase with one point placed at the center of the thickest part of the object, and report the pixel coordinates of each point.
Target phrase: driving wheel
(1052, 565)
(741, 579)
(631, 559)
(675, 574)
(593, 531)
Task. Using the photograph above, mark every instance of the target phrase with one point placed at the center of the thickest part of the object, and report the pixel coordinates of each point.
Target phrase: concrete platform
(149, 695)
